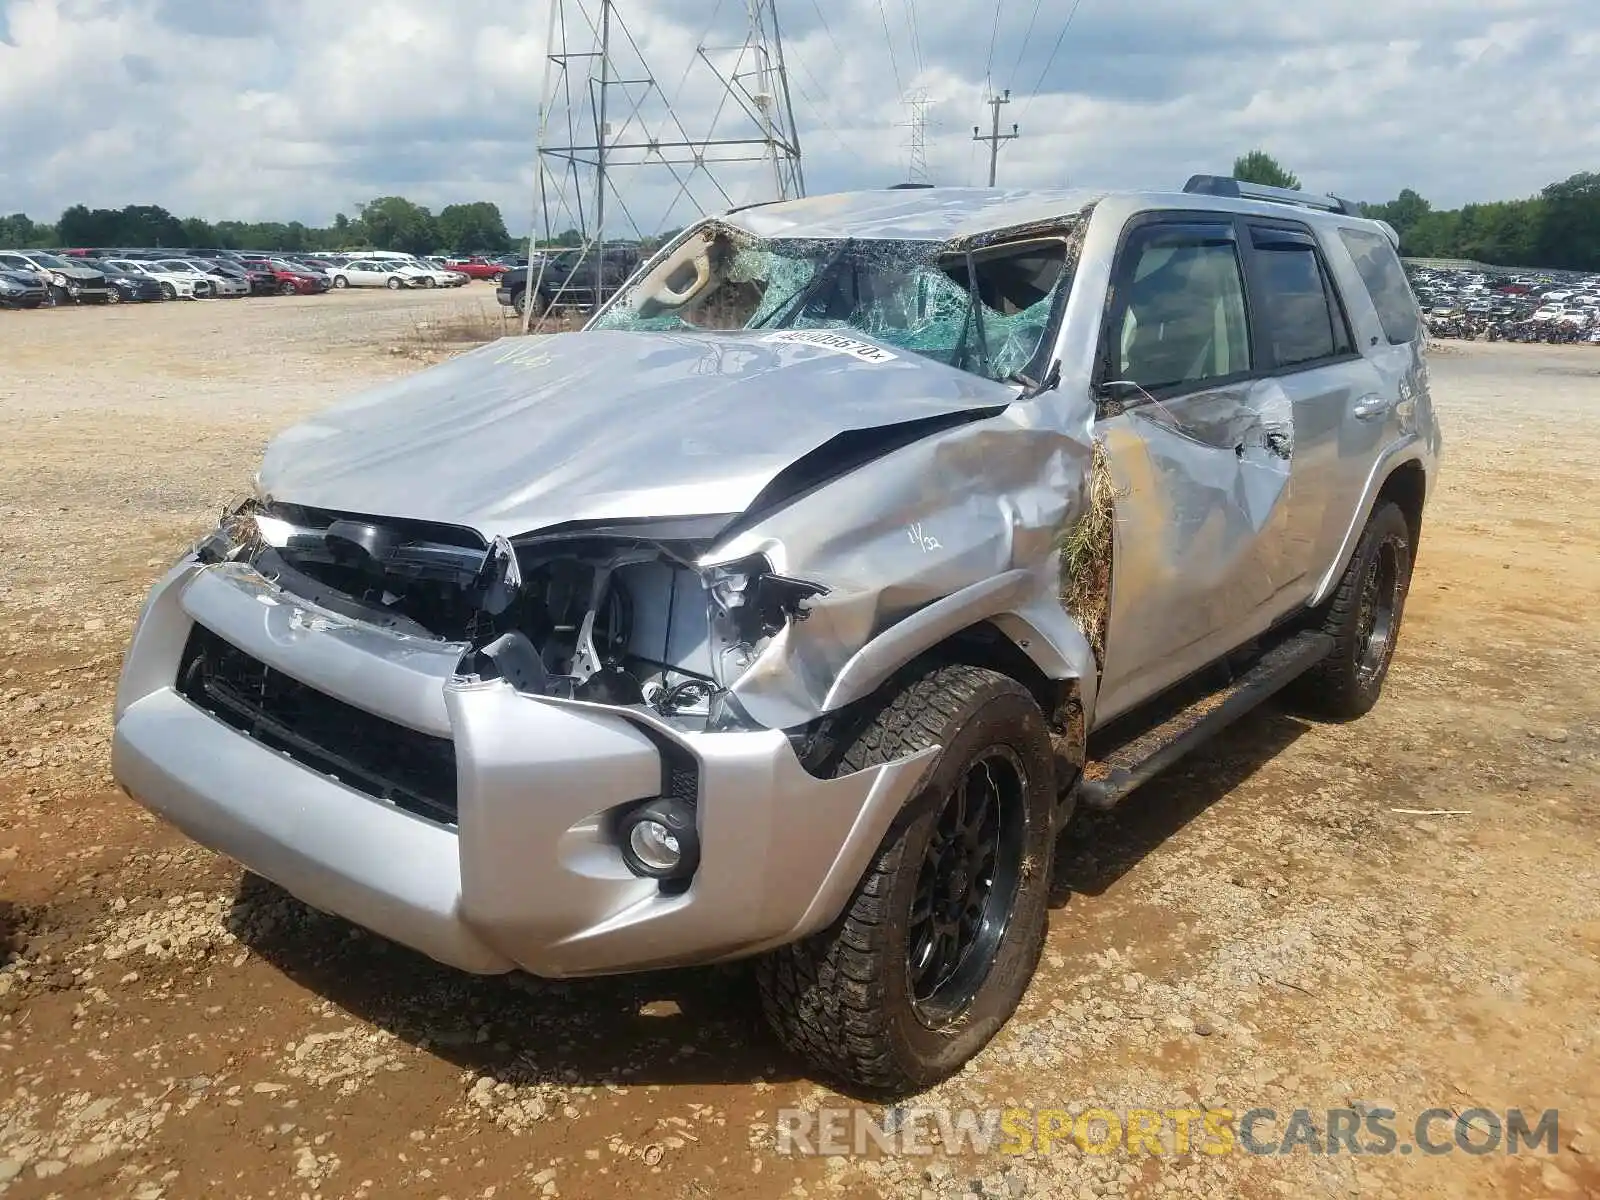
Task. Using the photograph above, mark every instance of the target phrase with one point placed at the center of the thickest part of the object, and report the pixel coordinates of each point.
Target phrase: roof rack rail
(1222, 185)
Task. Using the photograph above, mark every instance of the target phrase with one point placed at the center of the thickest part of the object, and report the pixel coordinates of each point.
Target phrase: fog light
(659, 840)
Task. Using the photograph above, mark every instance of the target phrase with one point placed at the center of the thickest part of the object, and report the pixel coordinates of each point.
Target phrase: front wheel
(1363, 618)
(287, 289)
(113, 296)
(339, 281)
(168, 292)
(394, 283)
(939, 942)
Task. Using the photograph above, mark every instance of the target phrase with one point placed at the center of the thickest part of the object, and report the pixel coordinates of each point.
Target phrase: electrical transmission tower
(994, 137)
(617, 154)
(918, 102)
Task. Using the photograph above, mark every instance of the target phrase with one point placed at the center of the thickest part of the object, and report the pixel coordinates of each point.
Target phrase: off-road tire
(1348, 682)
(842, 999)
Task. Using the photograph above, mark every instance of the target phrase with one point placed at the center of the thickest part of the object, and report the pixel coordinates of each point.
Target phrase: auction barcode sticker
(823, 339)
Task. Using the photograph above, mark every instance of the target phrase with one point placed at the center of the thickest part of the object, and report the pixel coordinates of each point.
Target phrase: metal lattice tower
(918, 102)
(612, 139)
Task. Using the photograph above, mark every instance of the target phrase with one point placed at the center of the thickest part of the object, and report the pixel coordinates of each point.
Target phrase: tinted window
(1185, 319)
(1301, 321)
(1385, 278)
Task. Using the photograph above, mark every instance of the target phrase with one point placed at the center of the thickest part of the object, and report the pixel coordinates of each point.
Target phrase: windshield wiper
(785, 313)
(973, 317)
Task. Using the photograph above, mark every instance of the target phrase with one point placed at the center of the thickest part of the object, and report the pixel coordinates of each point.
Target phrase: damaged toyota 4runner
(789, 609)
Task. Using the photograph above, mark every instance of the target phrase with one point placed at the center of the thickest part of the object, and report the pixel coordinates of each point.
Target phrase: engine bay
(607, 616)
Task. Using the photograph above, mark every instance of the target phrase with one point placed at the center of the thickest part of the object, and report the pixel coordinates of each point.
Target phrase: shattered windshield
(985, 310)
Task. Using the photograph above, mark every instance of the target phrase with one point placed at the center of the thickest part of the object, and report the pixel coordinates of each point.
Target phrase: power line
(1054, 50)
(994, 33)
(816, 107)
(1026, 38)
(916, 37)
(827, 29)
(889, 41)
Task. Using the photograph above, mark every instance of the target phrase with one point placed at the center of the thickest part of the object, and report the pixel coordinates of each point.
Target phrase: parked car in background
(569, 279)
(365, 272)
(423, 274)
(126, 287)
(476, 267)
(67, 280)
(21, 289)
(295, 280)
(221, 286)
(288, 264)
(175, 285)
(256, 283)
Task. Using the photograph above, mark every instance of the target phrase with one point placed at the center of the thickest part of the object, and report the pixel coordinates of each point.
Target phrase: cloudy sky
(296, 109)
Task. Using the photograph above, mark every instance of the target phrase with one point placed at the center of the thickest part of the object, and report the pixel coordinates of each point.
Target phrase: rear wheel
(940, 940)
(1363, 618)
(168, 292)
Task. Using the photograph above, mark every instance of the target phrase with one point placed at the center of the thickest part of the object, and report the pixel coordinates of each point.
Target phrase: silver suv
(790, 609)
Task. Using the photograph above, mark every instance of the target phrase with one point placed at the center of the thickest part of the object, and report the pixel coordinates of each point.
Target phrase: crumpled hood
(529, 432)
(83, 274)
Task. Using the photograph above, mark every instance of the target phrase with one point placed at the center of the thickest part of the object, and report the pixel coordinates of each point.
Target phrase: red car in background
(476, 267)
(293, 279)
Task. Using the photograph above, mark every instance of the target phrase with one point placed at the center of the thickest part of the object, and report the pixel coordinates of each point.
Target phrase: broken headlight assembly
(625, 614)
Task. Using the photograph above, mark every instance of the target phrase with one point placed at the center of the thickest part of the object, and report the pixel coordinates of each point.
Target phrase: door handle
(1371, 406)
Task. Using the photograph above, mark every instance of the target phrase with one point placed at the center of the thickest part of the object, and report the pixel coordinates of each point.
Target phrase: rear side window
(1385, 278)
(1304, 323)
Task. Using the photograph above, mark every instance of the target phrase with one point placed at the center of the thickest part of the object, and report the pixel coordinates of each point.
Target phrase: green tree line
(386, 223)
(1558, 228)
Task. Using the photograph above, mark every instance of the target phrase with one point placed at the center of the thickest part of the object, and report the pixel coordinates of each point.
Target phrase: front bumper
(528, 876)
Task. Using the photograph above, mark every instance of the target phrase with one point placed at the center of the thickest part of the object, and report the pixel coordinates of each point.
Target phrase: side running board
(1108, 781)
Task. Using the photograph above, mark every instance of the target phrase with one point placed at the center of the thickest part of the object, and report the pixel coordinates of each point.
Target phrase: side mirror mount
(1121, 391)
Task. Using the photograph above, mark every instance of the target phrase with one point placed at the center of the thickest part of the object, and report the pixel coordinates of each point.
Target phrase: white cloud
(300, 108)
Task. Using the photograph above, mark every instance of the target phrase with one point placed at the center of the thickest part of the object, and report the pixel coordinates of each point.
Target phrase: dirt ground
(1263, 928)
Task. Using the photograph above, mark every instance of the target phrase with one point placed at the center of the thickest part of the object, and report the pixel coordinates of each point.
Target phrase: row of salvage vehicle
(36, 278)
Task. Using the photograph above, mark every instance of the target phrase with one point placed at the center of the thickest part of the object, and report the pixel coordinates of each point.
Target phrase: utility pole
(994, 137)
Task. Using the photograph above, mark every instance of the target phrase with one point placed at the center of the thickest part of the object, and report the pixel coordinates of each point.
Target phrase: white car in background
(221, 285)
(425, 274)
(175, 285)
(367, 272)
